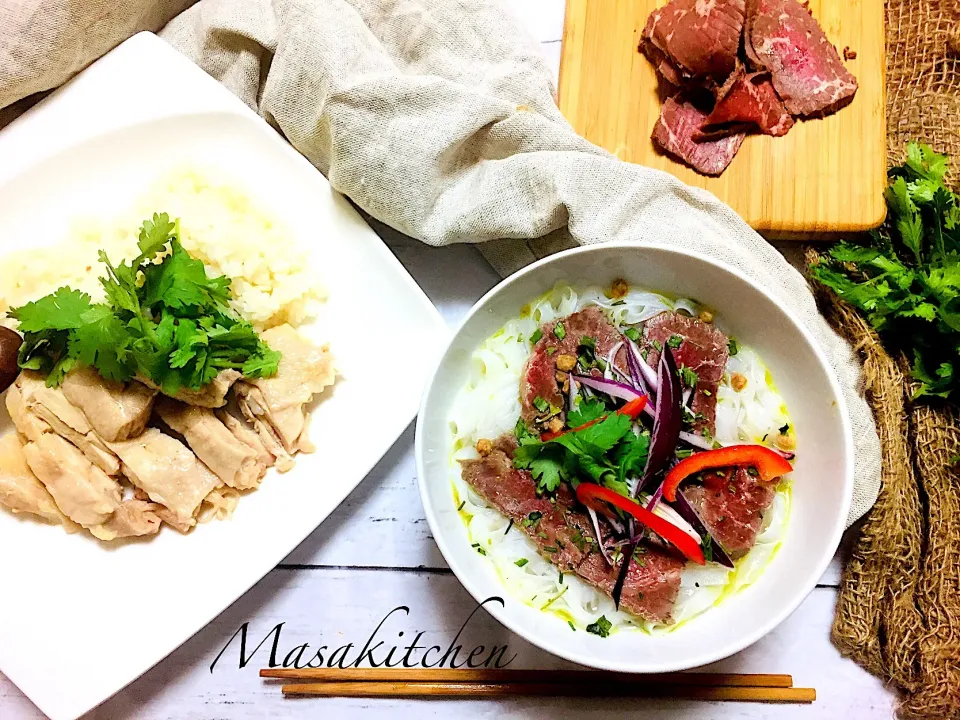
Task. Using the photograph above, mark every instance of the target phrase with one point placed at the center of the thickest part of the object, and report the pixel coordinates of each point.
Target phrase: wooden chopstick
(536, 677)
(599, 689)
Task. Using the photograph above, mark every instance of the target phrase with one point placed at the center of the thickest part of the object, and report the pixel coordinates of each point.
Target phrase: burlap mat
(898, 612)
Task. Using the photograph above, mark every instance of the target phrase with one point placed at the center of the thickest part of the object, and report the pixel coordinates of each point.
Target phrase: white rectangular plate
(79, 620)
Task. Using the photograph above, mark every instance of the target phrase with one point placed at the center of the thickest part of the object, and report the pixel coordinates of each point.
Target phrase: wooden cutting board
(823, 179)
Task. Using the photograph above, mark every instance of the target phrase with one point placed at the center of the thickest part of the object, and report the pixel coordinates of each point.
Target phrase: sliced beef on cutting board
(749, 102)
(565, 536)
(680, 122)
(732, 510)
(783, 38)
(539, 376)
(703, 349)
(699, 38)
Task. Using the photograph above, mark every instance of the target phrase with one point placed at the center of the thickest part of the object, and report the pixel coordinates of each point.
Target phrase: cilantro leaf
(168, 321)
(61, 310)
(906, 278)
(601, 627)
(587, 411)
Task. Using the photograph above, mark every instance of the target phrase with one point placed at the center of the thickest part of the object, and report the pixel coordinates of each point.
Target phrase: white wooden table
(375, 554)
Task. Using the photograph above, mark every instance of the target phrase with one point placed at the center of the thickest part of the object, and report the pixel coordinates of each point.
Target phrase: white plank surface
(376, 553)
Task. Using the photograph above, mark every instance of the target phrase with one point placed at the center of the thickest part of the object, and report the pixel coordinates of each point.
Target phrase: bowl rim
(498, 611)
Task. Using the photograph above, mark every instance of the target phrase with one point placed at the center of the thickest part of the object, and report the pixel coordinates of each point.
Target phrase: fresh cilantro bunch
(907, 278)
(606, 452)
(167, 321)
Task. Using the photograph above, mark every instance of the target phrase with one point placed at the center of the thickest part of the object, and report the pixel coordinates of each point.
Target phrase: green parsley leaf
(601, 627)
(675, 341)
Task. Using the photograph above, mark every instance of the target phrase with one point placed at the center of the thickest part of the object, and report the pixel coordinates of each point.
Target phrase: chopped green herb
(707, 545)
(601, 627)
(462, 503)
(521, 562)
(559, 331)
(706, 392)
(509, 525)
(551, 350)
(550, 549)
(632, 333)
(752, 471)
(540, 404)
(572, 626)
(765, 436)
(532, 519)
(535, 337)
(479, 549)
(684, 453)
(588, 342)
(578, 540)
(675, 341)
(688, 376)
(954, 459)
(732, 347)
(560, 580)
(542, 535)
(656, 346)
(785, 428)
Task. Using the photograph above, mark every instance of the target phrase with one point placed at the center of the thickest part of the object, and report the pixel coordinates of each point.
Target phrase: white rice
(489, 405)
(271, 281)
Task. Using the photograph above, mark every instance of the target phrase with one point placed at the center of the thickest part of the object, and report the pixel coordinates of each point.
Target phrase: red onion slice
(668, 419)
(610, 387)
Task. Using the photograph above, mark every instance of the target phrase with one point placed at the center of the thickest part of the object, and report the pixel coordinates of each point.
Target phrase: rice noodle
(489, 405)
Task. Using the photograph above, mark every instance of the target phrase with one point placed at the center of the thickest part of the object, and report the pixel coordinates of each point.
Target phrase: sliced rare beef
(701, 347)
(748, 103)
(783, 38)
(698, 38)
(680, 122)
(539, 378)
(732, 508)
(565, 536)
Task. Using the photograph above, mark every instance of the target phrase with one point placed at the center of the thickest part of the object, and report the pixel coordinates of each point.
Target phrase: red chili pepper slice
(768, 464)
(632, 409)
(593, 496)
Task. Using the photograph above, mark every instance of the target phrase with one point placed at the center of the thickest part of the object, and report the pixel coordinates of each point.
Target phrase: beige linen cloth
(436, 117)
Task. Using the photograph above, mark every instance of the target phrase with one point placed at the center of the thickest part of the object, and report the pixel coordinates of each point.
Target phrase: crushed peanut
(484, 446)
(561, 376)
(786, 442)
(706, 316)
(738, 382)
(555, 424)
(566, 363)
(619, 288)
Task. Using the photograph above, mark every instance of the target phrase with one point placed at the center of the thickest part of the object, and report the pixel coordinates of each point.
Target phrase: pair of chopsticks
(383, 682)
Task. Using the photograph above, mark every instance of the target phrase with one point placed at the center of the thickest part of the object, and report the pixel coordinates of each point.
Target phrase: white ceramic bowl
(822, 477)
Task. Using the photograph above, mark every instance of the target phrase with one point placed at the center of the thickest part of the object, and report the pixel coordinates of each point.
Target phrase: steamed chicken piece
(167, 471)
(81, 490)
(233, 461)
(275, 405)
(242, 432)
(134, 518)
(37, 409)
(117, 411)
(211, 395)
(21, 491)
